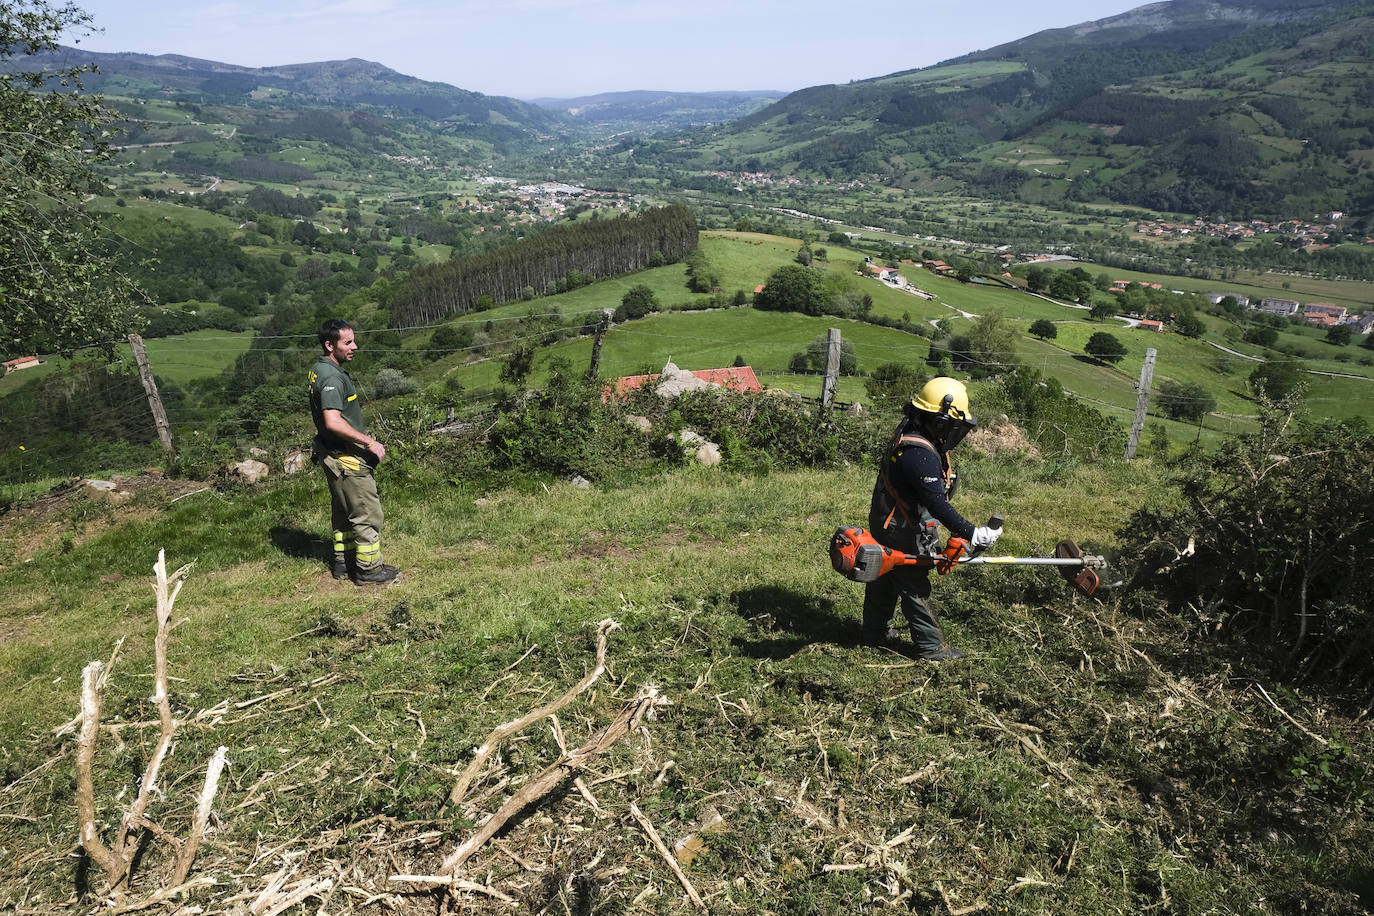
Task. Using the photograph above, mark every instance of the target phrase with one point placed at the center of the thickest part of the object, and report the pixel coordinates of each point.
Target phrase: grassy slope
(1083, 760)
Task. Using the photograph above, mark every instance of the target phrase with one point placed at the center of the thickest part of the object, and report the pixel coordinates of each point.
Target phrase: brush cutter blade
(1083, 578)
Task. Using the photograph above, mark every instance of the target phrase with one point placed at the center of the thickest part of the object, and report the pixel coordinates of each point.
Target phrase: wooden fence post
(832, 370)
(145, 375)
(601, 328)
(1142, 401)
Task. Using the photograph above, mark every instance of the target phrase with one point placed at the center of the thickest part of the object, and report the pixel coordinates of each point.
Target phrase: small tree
(792, 288)
(1105, 347)
(517, 365)
(637, 302)
(392, 382)
(991, 344)
(1276, 380)
(818, 353)
(449, 338)
(1186, 401)
(1102, 310)
(1339, 335)
(1044, 329)
(1190, 325)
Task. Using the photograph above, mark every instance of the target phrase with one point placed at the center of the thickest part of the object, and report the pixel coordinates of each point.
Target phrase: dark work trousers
(910, 584)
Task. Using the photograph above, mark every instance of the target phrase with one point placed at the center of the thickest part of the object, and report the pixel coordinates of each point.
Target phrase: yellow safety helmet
(942, 409)
(943, 397)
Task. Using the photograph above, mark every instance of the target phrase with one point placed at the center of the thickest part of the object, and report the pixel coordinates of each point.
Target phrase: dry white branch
(501, 732)
(624, 723)
(277, 902)
(587, 795)
(1304, 729)
(103, 856)
(117, 859)
(202, 816)
(648, 827)
(162, 895)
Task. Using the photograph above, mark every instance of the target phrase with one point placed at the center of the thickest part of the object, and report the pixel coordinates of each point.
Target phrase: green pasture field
(14, 380)
(713, 339)
(193, 217)
(198, 354)
(1353, 294)
(954, 73)
(179, 359)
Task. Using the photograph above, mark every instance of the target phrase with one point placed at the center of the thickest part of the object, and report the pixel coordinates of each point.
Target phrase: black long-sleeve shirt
(918, 477)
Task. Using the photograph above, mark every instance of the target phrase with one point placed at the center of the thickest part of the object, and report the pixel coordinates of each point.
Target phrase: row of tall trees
(589, 250)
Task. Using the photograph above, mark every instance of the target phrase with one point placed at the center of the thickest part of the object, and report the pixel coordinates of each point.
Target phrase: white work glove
(983, 536)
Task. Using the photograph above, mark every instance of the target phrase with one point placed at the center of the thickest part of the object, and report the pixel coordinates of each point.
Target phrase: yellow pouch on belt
(350, 463)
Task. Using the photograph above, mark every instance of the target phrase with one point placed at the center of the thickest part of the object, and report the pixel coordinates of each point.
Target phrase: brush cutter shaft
(1094, 562)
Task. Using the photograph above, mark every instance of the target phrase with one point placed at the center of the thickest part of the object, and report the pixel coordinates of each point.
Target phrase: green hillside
(1242, 109)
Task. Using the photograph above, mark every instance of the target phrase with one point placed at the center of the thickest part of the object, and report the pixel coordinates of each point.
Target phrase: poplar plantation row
(555, 260)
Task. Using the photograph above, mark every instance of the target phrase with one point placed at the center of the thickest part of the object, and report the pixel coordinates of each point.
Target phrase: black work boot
(381, 574)
(945, 653)
(339, 567)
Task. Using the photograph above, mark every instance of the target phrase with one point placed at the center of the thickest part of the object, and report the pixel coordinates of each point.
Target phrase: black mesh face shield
(949, 431)
(955, 430)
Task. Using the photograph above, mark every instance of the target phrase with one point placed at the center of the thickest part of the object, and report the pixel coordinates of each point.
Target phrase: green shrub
(1056, 421)
(893, 384)
(391, 383)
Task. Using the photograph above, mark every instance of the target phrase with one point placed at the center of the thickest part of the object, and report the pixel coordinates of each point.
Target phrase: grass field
(1086, 757)
(178, 359)
(195, 355)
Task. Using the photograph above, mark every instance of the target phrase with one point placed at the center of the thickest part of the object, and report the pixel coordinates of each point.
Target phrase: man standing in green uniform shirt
(348, 455)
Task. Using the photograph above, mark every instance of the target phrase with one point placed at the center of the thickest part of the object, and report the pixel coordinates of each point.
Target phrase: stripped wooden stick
(501, 732)
(110, 863)
(626, 722)
(662, 848)
(202, 816)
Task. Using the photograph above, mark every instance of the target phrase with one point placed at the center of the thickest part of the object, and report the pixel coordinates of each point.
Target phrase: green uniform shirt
(332, 389)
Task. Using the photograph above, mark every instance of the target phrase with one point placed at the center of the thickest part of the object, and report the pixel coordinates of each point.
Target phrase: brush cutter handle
(952, 554)
(1091, 562)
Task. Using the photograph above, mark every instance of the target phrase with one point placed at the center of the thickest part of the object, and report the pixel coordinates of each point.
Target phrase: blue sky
(565, 48)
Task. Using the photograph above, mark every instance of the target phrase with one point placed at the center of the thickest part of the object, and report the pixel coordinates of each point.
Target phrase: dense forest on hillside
(552, 261)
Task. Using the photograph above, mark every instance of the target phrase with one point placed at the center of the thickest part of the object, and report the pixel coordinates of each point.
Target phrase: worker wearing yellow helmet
(911, 499)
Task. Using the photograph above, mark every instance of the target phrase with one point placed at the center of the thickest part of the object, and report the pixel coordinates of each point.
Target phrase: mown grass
(1087, 757)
